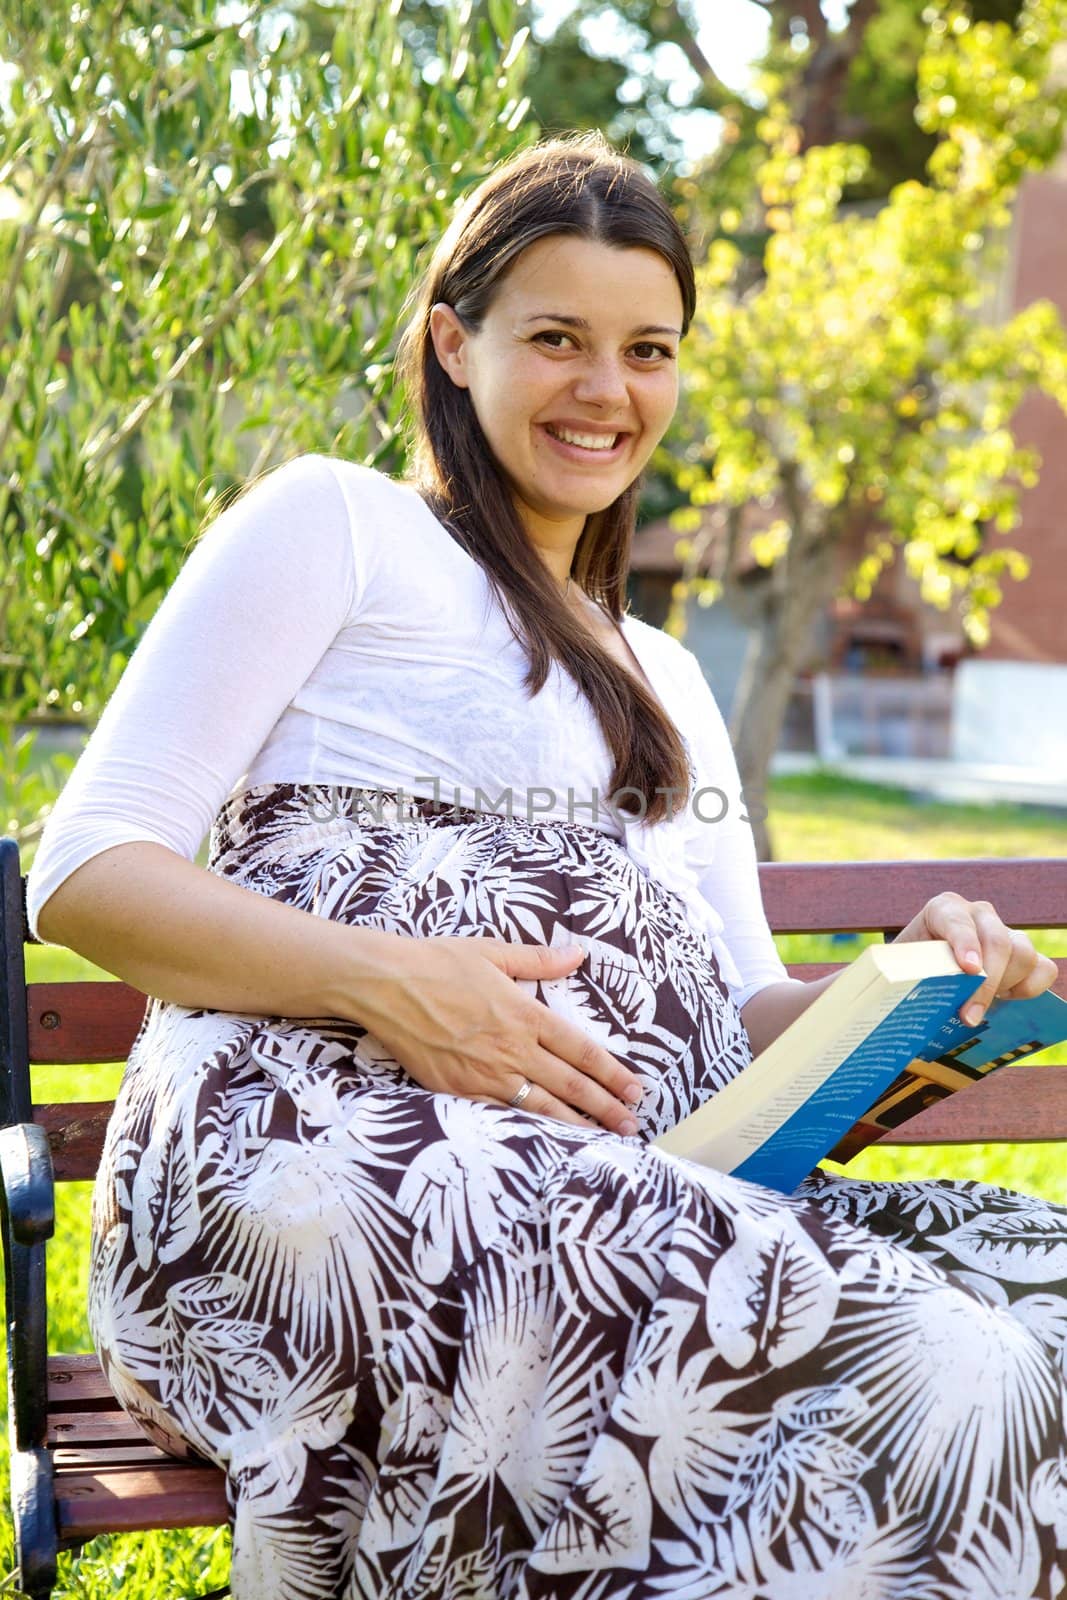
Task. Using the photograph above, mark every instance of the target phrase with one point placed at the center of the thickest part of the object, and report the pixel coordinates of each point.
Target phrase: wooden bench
(79, 1465)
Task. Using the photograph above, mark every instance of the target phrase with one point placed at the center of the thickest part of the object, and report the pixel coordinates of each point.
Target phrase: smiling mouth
(591, 443)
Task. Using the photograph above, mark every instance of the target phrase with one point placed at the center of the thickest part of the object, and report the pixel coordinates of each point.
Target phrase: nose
(602, 382)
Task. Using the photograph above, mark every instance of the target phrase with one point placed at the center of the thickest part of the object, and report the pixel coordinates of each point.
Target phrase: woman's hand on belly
(449, 1012)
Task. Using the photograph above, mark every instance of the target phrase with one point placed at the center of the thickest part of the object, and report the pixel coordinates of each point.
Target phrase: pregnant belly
(648, 990)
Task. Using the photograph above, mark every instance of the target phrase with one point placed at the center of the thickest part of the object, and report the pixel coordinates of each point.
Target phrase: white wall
(1012, 712)
(719, 641)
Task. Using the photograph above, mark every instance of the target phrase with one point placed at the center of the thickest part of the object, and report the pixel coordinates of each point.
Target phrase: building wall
(1030, 624)
(1011, 713)
(715, 636)
(719, 643)
(1009, 698)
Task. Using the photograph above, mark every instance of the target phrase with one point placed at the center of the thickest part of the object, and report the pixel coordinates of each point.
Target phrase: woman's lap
(446, 1348)
(628, 1365)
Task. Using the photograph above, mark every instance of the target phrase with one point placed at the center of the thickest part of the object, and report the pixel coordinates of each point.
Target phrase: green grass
(820, 817)
(813, 817)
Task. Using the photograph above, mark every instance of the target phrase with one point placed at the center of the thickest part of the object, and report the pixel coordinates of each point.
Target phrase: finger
(1021, 963)
(578, 1050)
(978, 940)
(575, 1103)
(572, 1087)
(1042, 974)
(1007, 958)
(949, 916)
(540, 1103)
(531, 961)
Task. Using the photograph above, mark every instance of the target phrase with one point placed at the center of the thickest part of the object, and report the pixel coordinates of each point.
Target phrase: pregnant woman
(378, 1227)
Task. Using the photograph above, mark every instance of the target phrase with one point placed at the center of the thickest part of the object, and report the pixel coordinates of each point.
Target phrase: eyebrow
(580, 322)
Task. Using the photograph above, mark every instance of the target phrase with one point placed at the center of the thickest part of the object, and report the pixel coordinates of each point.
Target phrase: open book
(875, 1048)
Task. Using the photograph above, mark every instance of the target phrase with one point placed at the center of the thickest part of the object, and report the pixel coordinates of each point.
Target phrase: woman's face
(573, 375)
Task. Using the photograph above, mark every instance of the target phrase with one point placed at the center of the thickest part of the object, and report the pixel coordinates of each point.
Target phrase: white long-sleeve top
(328, 629)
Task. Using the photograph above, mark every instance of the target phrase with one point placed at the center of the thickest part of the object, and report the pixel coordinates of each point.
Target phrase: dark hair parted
(576, 185)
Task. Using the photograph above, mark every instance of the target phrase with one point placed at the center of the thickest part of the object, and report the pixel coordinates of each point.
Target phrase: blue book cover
(878, 1046)
(956, 1056)
(1009, 1030)
(797, 1145)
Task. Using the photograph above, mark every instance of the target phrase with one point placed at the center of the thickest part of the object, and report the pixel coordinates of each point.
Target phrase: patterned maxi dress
(448, 1350)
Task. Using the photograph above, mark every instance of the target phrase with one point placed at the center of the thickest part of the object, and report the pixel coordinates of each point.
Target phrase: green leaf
(502, 16)
(197, 42)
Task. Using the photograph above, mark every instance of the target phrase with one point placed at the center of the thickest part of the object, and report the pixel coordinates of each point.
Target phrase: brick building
(1012, 698)
(1031, 622)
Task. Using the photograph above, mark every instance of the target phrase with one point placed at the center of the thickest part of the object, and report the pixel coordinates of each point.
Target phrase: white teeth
(588, 441)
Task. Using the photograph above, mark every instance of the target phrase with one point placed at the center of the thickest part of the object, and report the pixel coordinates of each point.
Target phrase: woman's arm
(979, 940)
(725, 858)
(256, 604)
(244, 624)
(770, 1012)
(174, 930)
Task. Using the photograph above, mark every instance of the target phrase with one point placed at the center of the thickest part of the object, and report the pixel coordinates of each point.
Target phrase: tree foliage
(846, 73)
(207, 232)
(862, 384)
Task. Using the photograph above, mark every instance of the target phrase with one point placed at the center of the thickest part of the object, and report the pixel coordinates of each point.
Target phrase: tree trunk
(819, 106)
(798, 591)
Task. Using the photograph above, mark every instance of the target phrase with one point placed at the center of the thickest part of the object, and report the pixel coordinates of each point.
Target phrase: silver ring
(517, 1099)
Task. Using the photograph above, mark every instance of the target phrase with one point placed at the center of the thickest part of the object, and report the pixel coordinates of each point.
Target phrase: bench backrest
(96, 1023)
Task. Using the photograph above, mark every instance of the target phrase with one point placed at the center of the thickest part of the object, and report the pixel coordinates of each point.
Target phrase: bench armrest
(27, 1205)
(28, 1183)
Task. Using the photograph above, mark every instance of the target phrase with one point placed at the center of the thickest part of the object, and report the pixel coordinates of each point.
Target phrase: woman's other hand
(981, 941)
(450, 1012)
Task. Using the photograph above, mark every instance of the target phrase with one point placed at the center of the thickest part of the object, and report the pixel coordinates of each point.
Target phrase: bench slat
(102, 1457)
(76, 1129)
(86, 1458)
(77, 1382)
(75, 1136)
(1018, 1105)
(1019, 1112)
(75, 1132)
(76, 1023)
(96, 1428)
(130, 1499)
(93, 1023)
(869, 896)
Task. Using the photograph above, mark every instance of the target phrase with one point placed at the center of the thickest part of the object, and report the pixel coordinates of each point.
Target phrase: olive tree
(209, 220)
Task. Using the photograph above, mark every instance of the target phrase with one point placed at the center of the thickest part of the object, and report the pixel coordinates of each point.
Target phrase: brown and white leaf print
(1026, 1246)
(770, 1297)
(451, 1350)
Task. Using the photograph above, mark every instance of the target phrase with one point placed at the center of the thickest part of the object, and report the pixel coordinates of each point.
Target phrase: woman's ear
(449, 337)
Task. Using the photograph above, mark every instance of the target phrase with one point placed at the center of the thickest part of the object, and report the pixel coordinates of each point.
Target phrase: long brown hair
(577, 185)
